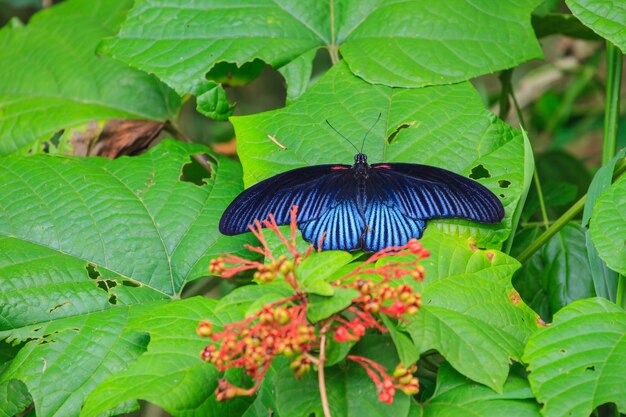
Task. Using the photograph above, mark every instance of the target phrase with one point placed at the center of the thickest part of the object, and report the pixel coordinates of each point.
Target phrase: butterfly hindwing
(387, 226)
(341, 226)
(425, 192)
(313, 189)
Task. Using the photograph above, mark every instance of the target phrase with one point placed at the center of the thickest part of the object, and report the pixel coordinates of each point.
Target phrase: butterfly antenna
(368, 132)
(339, 133)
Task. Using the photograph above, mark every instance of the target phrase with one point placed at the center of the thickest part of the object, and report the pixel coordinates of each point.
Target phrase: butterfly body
(362, 206)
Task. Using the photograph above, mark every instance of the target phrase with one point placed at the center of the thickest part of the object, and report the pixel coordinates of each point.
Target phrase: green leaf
(405, 347)
(78, 351)
(417, 42)
(529, 170)
(14, 398)
(600, 182)
(105, 240)
(321, 307)
(608, 226)
(351, 393)
(457, 395)
(170, 374)
(237, 304)
(212, 101)
(298, 74)
(444, 126)
(605, 17)
(319, 268)
(52, 78)
(577, 363)
(604, 279)
(421, 43)
(470, 312)
(557, 274)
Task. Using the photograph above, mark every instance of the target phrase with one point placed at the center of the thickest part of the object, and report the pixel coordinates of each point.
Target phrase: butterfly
(362, 206)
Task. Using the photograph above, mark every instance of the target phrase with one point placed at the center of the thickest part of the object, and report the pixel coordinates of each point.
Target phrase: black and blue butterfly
(362, 206)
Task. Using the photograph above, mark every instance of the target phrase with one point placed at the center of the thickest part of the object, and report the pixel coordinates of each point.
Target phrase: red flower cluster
(386, 385)
(281, 328)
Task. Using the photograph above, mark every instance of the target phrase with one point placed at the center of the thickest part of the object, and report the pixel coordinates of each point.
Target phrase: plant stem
(559, 223)
(552, 230)
(333, 49)
(542, 204)
(611, 125)
(611, 115)
(321, 360)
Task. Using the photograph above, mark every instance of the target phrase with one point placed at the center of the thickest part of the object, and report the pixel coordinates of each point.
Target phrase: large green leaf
(444, 126)
(416, 43)
(170, 374)
(578, 363)
(558, 274)
(471, 314)
(52, 78)
(605, 17)
(82, 242)
(608, 226)
(457, 396)
(81, 351)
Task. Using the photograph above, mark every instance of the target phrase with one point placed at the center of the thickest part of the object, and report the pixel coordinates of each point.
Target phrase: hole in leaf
(92, 271)
(195, 171)
(504, 183)
(479, 172)
(407, 125)
(590, 368)
(231, 75)
(130, 283)
(113, 299)
(58, 306)
(46, 341)
(106, 284)
(501, 195)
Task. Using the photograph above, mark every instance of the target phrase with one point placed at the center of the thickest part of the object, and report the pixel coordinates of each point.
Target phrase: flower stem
(321, 360)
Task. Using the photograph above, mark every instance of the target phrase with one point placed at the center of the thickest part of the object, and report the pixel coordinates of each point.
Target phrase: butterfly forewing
(425, 192)
(313, 189)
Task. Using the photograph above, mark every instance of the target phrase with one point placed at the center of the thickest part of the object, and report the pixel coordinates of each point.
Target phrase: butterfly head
(360, 166)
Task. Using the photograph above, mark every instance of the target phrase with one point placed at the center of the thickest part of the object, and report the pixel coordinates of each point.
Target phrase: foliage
(100, 258)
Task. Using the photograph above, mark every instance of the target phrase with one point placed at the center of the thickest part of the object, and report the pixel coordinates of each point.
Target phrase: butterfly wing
(342, 224)
(425, 192)
(388, 226)
(313, 189)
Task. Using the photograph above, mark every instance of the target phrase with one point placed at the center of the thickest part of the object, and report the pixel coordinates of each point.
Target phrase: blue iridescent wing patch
(387, 226)
(341, 226)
